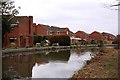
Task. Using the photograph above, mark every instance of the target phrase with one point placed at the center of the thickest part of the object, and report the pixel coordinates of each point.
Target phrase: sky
(84, 15)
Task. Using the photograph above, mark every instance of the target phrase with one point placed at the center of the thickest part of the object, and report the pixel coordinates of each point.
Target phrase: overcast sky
(85, 15)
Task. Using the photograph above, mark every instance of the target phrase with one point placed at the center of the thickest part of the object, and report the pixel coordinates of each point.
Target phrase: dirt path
(104, 65)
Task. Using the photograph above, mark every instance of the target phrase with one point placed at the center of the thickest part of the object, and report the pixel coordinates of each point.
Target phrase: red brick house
(41, 30)
(44, 30)
(21, 34)
(23, 30)
(95, 37)
(60, 31)
(82, 35)
(109, 38)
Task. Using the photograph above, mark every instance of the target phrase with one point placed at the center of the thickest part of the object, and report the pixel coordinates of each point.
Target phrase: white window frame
(50, 32)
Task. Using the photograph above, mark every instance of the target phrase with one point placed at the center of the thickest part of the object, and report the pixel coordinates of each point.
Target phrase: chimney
(31, 18)
(30, 25)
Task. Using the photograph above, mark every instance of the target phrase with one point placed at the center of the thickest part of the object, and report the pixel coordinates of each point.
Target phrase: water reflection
(22, 64)
(52, 64)
(55, 69)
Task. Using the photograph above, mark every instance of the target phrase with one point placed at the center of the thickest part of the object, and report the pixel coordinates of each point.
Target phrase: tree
(117, 3)
(8, 11)
(5, 25)
(113, 5)
(8, 7)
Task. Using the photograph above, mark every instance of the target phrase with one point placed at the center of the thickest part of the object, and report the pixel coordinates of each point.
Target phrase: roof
(107, 34)
(44, 26)
(16, 19)
(81, 32)
(55, 29)
(72, 33)
(97, 36)
(96, 32)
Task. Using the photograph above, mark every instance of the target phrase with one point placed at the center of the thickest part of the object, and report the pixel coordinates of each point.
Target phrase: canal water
(45, 64)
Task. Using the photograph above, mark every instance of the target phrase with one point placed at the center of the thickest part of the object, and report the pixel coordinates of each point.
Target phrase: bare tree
(8, 7)
(114, 5)
(117, 3)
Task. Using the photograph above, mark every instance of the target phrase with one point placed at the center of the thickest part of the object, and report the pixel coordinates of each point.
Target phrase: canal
(45, 64)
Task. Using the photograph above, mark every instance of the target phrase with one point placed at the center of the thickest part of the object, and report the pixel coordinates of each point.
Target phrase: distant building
(108, 38)
(45, 30)
(83, 37)
(95, 37)
(60, 31)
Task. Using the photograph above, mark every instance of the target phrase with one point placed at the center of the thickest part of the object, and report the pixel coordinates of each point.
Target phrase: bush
(37, 39)
(41, 39)
(13, 44)
(62, 40)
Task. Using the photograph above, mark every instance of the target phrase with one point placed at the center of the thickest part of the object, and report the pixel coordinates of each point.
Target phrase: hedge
(38, 39)
(62, 40)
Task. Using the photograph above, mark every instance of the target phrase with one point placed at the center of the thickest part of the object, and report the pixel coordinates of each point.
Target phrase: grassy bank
(104, 65)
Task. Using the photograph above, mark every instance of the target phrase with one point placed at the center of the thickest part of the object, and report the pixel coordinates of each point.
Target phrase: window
(67, 32)
(58, 32)
(12, 39)
(106, 37)
(50, 32)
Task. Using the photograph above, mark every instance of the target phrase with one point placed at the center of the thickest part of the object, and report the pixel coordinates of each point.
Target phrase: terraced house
(24, 30)
(95, 37)
(83, 36)
(45, 30)
(108, 38)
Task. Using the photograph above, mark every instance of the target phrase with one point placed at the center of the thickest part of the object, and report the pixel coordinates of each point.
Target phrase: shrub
(38, 39)
(41, 39)
(13, 44)
(62, 40)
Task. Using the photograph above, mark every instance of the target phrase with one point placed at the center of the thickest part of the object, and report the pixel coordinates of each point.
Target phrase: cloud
(86, 15)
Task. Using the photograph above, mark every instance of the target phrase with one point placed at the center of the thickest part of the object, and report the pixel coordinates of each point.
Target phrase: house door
(22, 41)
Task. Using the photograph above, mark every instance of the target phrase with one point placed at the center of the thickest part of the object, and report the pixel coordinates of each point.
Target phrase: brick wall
(96, 35)
(81, 34)
(40, 30)
(23, 33)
